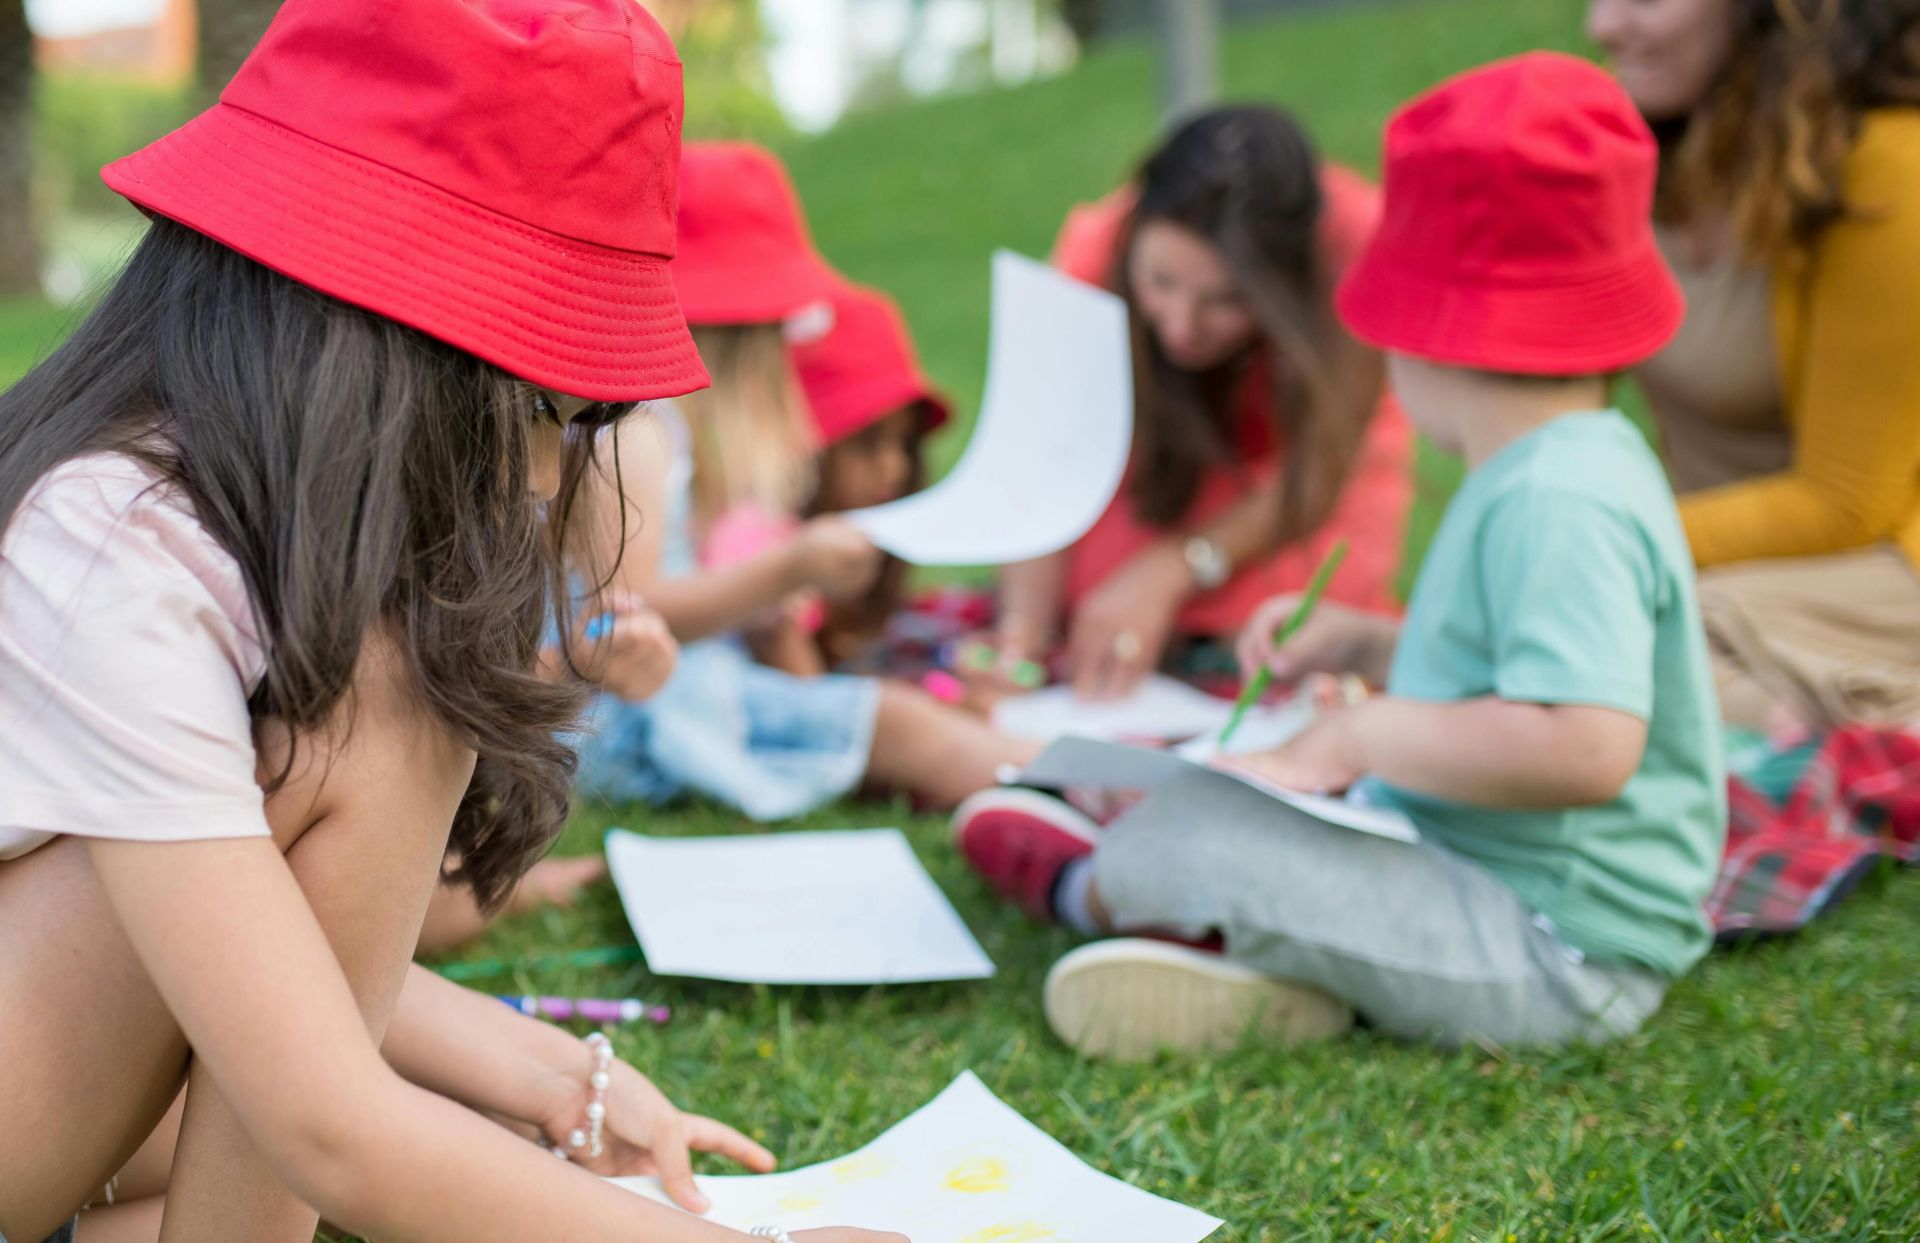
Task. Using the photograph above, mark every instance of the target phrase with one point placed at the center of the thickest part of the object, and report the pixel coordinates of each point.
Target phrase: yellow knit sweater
(1847, 322)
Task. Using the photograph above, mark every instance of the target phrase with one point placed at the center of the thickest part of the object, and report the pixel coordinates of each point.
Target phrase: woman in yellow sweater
(1789, 407)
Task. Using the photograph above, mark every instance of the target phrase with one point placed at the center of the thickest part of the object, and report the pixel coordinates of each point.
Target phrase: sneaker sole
(1129, 999)
(1025, 802)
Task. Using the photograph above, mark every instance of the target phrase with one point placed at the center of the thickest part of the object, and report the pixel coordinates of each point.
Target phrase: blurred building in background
(151, 41)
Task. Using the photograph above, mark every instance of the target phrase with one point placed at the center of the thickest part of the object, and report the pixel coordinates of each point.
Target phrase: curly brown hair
(1769, 145)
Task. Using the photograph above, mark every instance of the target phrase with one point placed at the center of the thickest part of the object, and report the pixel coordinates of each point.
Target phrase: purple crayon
(592, 1009)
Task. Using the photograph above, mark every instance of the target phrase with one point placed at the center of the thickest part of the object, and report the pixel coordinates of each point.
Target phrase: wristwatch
(1207, 562)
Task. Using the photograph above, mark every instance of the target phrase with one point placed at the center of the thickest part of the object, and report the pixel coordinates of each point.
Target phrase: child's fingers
(671, 1156)
(711, 1135)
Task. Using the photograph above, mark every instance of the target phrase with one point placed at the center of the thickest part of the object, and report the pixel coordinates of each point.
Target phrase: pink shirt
(127, 651)
(1371, 513)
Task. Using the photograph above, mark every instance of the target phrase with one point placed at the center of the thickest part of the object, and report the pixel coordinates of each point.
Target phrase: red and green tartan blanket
(1852, 808)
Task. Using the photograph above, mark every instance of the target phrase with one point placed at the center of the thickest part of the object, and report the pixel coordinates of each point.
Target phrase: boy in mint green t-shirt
(1549, 722)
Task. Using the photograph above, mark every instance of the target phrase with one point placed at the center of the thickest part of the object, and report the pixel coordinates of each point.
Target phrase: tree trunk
(1083, 17)
(228, 31)
(19, 243)
(1189, 57)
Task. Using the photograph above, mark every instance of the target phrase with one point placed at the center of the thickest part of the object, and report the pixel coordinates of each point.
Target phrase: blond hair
(753, 439)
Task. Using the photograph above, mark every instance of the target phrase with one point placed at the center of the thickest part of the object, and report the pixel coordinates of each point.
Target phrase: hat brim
(582, 319)
(1594, 324)
(761, 293)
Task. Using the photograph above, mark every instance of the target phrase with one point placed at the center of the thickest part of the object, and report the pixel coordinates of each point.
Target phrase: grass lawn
(1776, 1097)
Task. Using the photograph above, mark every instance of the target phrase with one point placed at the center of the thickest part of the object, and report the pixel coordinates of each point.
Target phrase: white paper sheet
(1052, 440)
(966, 1168)
(850, 907)
(1160, 709)
(1111, 765)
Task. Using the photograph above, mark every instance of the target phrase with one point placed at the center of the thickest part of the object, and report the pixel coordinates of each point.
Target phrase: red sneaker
(1018, 840)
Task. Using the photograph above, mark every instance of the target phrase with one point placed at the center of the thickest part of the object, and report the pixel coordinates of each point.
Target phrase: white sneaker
(1130, 998)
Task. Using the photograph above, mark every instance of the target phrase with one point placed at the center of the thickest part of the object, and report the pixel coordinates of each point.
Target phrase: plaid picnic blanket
(1851, 804)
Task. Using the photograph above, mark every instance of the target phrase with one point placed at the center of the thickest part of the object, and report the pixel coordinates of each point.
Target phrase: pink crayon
(593, 1010)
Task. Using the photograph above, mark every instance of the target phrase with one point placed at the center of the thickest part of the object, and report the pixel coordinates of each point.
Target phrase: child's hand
(836, 558)
(1325, 758)
(1336, 639)
(645, 1135)
(630, 651)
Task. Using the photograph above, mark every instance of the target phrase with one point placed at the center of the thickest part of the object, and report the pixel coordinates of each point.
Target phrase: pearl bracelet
(591, 1136)
(773, 1233)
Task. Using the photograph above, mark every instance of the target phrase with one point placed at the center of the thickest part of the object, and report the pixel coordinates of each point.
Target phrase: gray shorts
(1419, 939)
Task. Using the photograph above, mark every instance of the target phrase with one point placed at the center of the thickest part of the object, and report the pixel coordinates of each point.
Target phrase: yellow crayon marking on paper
(1013, 1232)
(979, 1175)
(860, 1169)
(800, 1202)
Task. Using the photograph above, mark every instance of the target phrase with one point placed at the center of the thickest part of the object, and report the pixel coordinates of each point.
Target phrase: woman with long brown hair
(1262, 433)
(1789, 406)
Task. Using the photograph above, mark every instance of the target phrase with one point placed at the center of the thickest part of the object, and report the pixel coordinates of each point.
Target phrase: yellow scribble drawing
(800, 1202)
(1013, 1232)
(978, 1176)
(860, 1169)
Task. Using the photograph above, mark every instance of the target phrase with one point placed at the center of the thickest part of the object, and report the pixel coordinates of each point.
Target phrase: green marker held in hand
(1263, 680)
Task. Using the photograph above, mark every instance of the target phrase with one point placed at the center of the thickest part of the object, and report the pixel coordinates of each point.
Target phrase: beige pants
(1826, 640)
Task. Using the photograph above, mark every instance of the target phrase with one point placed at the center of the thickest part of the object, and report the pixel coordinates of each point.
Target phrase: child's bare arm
(1485, 752)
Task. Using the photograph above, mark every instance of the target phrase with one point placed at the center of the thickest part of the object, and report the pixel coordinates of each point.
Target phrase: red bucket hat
(864, 368)
(499, 174)
(745, 257)
(1517, 232)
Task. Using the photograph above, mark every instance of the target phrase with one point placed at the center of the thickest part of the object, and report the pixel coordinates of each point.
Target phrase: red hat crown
(497, 173)
(864, 368)
(561, 114)
(745, 255)
(1517, 227)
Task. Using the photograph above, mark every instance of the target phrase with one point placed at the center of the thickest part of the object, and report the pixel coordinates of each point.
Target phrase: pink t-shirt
(127, 651)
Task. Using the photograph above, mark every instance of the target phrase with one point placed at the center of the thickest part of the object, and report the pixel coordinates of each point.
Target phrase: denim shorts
(765, 743)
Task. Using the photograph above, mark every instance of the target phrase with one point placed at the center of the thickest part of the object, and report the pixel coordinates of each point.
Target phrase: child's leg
(940, 753)
(454, 918)
(1420, 940)
(135, 1221)
(99, 1060)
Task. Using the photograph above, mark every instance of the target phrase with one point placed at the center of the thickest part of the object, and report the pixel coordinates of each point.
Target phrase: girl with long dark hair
(280, 529)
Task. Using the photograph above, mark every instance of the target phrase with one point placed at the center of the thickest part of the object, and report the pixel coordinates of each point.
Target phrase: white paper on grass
(1052, 440)
(965, 1168)
(1159, 708)
(1111, 765)
(850, 907)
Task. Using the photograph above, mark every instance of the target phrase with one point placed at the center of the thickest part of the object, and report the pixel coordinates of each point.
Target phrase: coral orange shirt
(1371, 513)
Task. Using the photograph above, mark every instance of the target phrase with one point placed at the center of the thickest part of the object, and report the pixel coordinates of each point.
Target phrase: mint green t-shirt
(1561, 575)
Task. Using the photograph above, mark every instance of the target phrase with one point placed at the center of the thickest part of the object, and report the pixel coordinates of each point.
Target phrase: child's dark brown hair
(362, 475)
(852, 626)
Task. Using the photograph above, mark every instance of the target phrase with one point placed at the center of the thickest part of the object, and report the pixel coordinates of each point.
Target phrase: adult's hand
(1121, 630)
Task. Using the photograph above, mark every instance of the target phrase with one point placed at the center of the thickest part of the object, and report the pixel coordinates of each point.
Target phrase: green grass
(1777, 1096)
